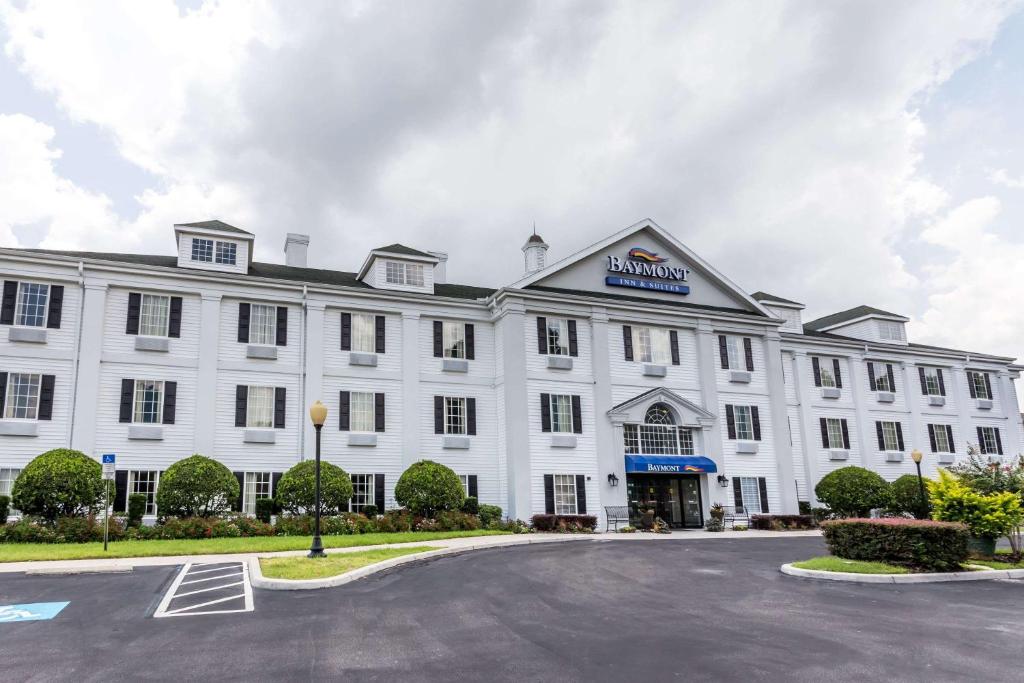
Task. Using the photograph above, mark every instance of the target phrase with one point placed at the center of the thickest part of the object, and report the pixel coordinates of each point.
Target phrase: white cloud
(1000, 176)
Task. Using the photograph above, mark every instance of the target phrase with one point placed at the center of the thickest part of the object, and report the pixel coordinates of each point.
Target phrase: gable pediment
(686, 412)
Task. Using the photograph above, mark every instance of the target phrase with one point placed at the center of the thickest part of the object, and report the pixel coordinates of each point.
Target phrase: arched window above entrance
(659, 414)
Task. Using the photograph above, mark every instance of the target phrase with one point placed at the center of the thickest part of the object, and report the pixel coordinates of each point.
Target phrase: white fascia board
(792, 341)
(869, 316)
(213, 232)
(781, 304)
(392, 255)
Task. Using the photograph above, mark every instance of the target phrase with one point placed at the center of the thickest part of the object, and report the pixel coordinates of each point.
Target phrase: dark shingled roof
(215, 225)
(402, 249)
(844, 316)
(535, 238)
(765, 296)
(895, 347)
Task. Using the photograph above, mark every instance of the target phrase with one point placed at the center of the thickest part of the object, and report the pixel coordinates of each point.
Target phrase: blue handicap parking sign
(33, 611)
(108, 458)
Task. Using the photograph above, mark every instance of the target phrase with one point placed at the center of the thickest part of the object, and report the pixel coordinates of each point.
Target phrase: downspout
(302, 376)
(78, 350)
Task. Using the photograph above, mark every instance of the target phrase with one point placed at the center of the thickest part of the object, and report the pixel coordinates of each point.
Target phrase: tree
(196, 486)
(905, 497)
(296, 492)
(428, 487)
(987, 515)
(852, 491)
(58, 483)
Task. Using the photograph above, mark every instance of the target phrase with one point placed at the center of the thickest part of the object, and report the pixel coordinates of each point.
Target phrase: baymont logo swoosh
(644, 255)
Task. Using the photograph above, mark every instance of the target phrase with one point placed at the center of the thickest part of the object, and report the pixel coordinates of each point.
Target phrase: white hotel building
(632, 372)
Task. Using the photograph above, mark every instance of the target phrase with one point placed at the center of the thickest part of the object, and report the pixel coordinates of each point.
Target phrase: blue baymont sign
(652, 270)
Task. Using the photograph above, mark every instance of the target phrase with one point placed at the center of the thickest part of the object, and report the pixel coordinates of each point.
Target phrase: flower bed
(917, 544)
(781, 522)
(565, 524)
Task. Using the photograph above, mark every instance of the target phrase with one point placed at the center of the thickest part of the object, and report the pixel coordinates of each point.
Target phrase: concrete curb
(259, 581)
(81, 569)
(943, 577)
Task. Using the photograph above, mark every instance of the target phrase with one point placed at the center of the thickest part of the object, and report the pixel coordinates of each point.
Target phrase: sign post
(109, 460)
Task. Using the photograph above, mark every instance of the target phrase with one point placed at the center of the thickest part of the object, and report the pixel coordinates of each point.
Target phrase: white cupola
(535, 253)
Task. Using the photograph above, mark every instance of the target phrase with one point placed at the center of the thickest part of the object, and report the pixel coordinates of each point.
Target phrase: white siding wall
(231, 448)
(16, 451)
(117, 341)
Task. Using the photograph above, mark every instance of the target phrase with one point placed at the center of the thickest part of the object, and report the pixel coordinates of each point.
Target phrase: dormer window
(227, 253)
(202, 250)
(890, 331)
(399, 273)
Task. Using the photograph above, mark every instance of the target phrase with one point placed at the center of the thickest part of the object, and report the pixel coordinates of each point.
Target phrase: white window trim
(464, 409)
(246, 502)
(571, 478)
(213, 249)
(249, 402)
(167, 317)
(132, 480)
(658, 345)
(838, 423)
(736, 410)
(272, 326)
(737, 360)
(18, 304)
(937, 430)
(551, 411)
(895, 437)
(986, 432)
(977, 379)
(453, 339)
(562, 349)
(160, 405)
(369, 415)
(749, 509)
(931, 381)
(9, 391)
(404, 274)
(231, 247)
(366, 490)
(360, 335)
(826, 365)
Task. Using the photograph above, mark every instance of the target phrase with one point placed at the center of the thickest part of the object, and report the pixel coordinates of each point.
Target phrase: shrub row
(854, 492)
(570, 524)
(781, 522)
(919, 544)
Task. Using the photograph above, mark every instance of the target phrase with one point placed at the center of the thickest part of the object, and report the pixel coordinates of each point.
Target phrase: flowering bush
(920, 544)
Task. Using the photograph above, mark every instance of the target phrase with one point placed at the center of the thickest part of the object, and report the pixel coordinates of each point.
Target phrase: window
(257, 485)
(653, 345)
(154, 315)
(834, 432)
(558, 336)
(744, 423)
(260, 408)
(7, 477)
(361, 411)
(659, 434)
(202, 250)
(750, 495)
(31, 308)
(22, 400)
(145, 482)
(362, 492)
(399, 273)
(881, 375)
(732, 347)
(263, 324)
(828, 376)
(561, 413)
(149, 402)
(989, 442)
(941, 434)
(364, 333)
(454, 415)
(891, 436)
(977, 380)
(932, 382)
(453, 338)
(227, 253)
(565, 494)
(464, 479)
(890, 331)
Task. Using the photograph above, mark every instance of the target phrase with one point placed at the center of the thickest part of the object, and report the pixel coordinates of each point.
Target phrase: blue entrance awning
(670, 464)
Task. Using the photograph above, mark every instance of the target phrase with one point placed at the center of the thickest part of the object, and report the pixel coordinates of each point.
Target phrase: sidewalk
(476, 542)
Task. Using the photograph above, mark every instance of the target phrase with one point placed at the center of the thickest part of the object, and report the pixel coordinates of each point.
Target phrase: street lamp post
(922, 505)
(318, 414)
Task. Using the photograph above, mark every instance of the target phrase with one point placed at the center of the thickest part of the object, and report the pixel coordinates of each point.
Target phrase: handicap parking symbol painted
(34, 611)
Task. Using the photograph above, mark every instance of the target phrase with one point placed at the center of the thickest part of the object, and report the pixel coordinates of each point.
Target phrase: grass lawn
(996, 564)
(20, 552)
(332, 565)
(830, 563)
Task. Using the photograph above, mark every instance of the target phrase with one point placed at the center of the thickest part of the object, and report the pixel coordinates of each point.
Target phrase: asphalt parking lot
(614, 610)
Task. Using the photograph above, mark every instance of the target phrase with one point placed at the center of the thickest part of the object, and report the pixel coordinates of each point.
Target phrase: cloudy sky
(837, 153)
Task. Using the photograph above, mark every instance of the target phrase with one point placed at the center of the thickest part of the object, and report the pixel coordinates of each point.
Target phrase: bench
(732, 517)
(616, 514)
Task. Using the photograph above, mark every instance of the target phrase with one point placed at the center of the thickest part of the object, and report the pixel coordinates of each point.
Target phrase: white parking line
(240, 590)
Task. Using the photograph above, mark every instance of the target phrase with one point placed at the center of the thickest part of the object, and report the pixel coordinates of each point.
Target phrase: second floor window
(890, 436)
(22, 399)
(941, 438)
(364, 333)
(561, 413)
(454, 415)
(149, 402)
(362, 414)
(744, 423)
(835, 433)
(399, 273)
(263, 324)
(653, 345)
(202, 250)
(931, 381)
(827, 373)
(227, 253)
(260, 408)
(658, 435)
(154, 314)
(453, 339)
(558, 336)
(979, 384)
(31, 310)
(881, 376)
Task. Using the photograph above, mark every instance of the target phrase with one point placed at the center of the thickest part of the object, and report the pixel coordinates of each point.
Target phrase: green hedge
(196, 486)
(58, 483)
(853, 491)
(919, 544)
(296, 492)
(428, 487)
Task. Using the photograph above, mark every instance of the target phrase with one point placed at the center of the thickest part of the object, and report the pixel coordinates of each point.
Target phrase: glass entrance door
(674, 499)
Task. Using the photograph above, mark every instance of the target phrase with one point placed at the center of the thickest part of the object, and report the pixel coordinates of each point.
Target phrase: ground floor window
(750, 495)
(362, 492)
(7, 477)
(989, 442)
(257, 485)
(144, 482)
(565, 494)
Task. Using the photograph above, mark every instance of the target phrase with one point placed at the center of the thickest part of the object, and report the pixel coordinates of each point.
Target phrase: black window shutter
(871, 375)
(3, 391)
(892, 378)
(438, 339)
(170, 402)
(999, 441)
(471, 487)
(282, 326)
(574, 349)
(378, 412)
(243, 323)
(470, 342)
(549, 494)
(577, 415)
(542, 335)
(730, 421)
(673, 340)
(471, 416)
(762, 486)
(816, 366)
(627, 342)
(241, 404)
(378, 492)
(881, 436)
(344, 410)
(949, 438)
(127, 397)
(723, 352)
(379, 333)
(346, 331)
(10, 298)
(988, 388)
(899, 435)
(120, 490)
(581, 494)
(931, 438)
(55, 307)
(46, 387)
(924, 383)
(748, 353)
(942, 385)
(846, 434)
(439, 414)
(275, 478)
(756, 420)
(981, 441)
(280, 402)
(970, 385)
(823, 423)
(545, 412)
(174, 318)
(134, 308)
(237, 503)
(839, 374)
(737, 495)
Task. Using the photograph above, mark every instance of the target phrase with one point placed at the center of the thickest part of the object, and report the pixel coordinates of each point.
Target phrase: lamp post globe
(317, 415)
(922, 507)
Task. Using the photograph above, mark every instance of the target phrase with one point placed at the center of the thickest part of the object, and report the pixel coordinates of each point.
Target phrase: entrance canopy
(670, 464)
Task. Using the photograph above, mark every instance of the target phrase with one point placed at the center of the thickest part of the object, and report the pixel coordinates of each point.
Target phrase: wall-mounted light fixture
(723, 480)
(613, 480)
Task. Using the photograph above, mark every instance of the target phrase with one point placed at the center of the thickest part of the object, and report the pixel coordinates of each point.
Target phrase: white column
(964, 406)
(410, 389)
(780, 423)
(610, 444)
(803, 388)
(707, 357)
(512, 329)
(83, 436)
(1011, 411)
(313, 389)
(206, 374)
(917, 439)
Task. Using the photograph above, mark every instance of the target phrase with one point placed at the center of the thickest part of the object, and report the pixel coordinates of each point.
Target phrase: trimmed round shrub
(915, 543)
(489, 513)
(429, 487)
(196, 486)
(296, 492)
(905, 497)
(58, 483)
(136, 508)
(853, 491)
